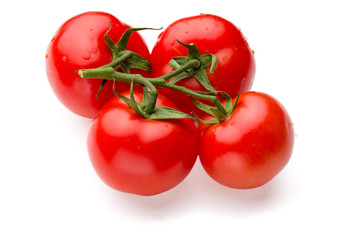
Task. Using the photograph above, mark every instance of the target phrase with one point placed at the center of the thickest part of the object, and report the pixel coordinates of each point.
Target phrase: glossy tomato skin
(252, 146)
(139, 156)
(79, 44)
(212, 35)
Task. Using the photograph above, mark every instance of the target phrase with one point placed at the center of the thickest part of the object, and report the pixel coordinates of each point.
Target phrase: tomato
(212, 35)
(135, 155)
(79, 44)
(252, 146)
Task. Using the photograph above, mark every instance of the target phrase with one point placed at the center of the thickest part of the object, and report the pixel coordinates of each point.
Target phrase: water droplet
(64, 59)
(86, 56)
(46, 56)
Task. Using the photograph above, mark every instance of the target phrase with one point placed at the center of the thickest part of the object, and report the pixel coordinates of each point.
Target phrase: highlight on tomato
(251, 146)
(211, 34)
(79, 44)
(141, 156)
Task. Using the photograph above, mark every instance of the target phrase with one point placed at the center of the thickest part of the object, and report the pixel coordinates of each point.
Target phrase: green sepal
(213, 111)
(202, 78)
(237, 98)
(122, 43)
(118, 49)
(177, 62)
(101, 87)
(228, 101)
(199, 73)
(124, 67)
(218, 114)
(179, 77)
(235, 103)
(111, 45)
(161, 113)
(207, 122)
(202, 106)
(135, 61)
(192, 49)
(207, 60)
(138, 62)
(214, 62)
(229, 105)
(131, 101)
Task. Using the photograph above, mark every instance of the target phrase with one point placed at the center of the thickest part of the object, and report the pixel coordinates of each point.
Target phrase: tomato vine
(192, 65)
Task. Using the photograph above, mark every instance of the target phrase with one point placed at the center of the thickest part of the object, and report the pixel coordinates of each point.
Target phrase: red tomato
(250, 147)
(140, 156)
(79, 44)
(212, 35)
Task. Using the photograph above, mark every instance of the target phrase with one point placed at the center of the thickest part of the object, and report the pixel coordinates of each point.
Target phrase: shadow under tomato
(213, 195)
(160, 206)
(198, 192)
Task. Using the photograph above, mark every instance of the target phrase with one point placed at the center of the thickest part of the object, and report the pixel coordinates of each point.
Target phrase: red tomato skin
(139, 156)
(212, 35)
(79, 44)
(252, 146)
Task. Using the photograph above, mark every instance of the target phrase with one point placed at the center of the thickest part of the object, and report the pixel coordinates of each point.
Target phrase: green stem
(151, 103)
(151, 83)
(109, 73)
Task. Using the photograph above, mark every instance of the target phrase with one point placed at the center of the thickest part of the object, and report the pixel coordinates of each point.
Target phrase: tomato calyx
(205, 60)
(124, 59)
(219, 114)
(118, 50)
(142, 109)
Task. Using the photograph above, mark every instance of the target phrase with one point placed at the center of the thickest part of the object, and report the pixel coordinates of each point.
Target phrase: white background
(307, 55)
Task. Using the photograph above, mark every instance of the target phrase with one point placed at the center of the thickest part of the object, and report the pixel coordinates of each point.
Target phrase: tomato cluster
(147, 132)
